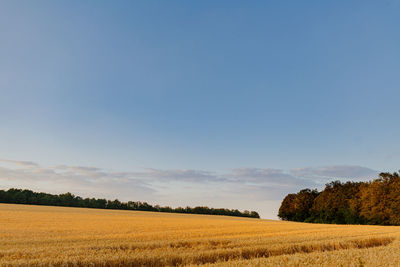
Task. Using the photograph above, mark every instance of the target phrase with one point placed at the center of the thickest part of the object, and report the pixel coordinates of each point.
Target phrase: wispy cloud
(26, 164)
(178, 174)
(87, 181)
(268, 176)
(243, 188)
(335, 172)
(76, 168)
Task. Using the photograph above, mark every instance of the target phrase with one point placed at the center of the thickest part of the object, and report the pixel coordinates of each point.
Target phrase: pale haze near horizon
(224, 104)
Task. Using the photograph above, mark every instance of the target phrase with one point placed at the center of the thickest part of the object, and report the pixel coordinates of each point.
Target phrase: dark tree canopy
(297, 207)
(19, 196)
(375, 202)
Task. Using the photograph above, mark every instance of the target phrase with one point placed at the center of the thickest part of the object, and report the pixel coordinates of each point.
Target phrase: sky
(222, 103)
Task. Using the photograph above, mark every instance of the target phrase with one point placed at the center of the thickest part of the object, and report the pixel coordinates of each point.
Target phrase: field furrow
(60, 236)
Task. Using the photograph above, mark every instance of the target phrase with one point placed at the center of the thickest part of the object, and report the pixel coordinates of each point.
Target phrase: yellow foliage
(61, 236)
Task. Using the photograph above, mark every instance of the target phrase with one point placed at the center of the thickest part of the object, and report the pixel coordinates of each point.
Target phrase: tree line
(375, 202)
(19, 196)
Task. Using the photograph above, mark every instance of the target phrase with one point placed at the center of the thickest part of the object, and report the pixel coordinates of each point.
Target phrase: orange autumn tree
(380, 200)
(376, 202)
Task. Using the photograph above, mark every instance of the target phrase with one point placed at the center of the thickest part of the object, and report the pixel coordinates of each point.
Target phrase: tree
(297, 207)
(380, 200)
(334, 205)
(375, 202)
(19, 196)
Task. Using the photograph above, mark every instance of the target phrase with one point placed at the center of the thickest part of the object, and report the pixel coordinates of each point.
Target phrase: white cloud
(336, 172)
(258, 189)
(180, 175)
(76, 168)
(24, 164)
(85, 181)
(271, 177)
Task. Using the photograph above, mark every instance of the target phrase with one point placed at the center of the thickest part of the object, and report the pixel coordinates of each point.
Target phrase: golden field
(61, 236)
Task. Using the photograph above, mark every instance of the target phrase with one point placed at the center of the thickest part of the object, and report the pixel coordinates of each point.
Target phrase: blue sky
(185, 96)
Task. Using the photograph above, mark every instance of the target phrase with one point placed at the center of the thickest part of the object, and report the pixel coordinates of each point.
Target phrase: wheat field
(62, 236)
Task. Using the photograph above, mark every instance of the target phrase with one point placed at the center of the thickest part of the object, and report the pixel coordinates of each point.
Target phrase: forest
(19, 196)
(375, 202)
